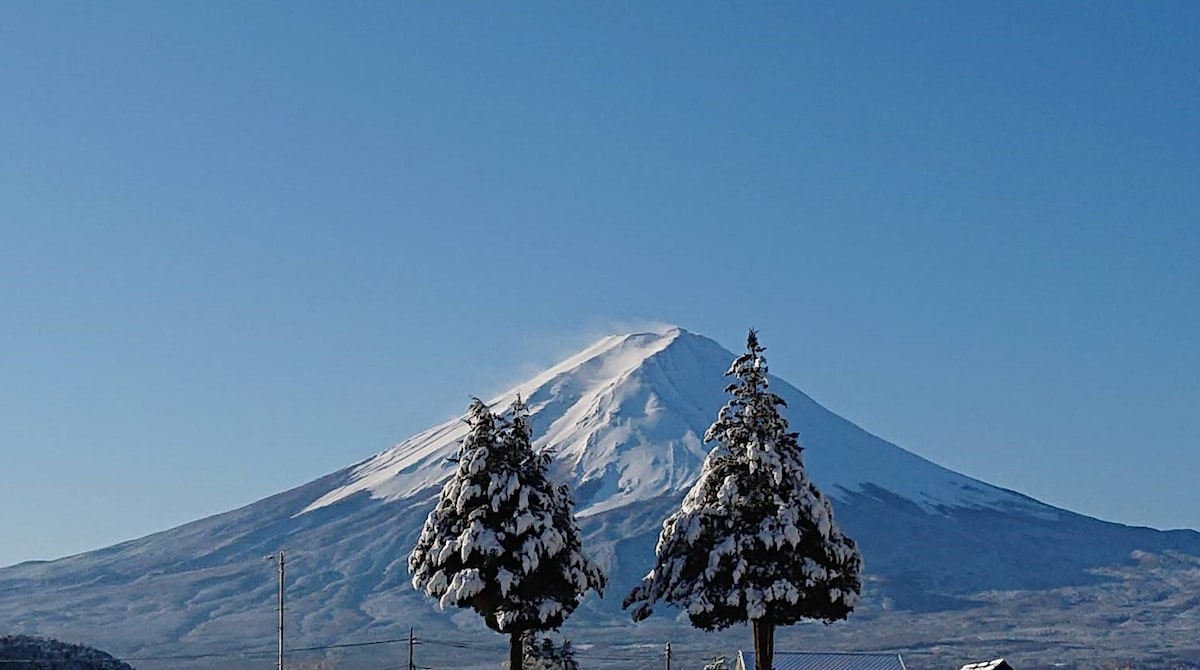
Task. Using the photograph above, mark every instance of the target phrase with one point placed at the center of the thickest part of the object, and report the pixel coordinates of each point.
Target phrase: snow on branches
(502, 538)
(546, 654)
(754, 539)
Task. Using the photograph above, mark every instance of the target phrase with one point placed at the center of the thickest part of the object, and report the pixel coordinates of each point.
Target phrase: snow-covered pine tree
(546, 655)
(502, 538)
(754, 540)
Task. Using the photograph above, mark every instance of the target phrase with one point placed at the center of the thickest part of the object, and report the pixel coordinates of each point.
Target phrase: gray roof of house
(804, 660)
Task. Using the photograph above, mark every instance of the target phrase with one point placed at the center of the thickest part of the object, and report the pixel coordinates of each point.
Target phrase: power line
(250, 653)
(346, 645)
(213, 654)
(593, 652)
(465, 645)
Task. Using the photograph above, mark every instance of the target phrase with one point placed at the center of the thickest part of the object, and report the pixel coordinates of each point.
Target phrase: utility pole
(412, 642)
(279, 567)
(668, 655)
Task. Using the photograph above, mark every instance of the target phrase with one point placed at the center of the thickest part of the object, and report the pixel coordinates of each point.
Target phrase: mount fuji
(952, 563)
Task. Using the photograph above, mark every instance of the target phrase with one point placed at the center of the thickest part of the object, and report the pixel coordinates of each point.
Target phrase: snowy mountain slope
(624, 417)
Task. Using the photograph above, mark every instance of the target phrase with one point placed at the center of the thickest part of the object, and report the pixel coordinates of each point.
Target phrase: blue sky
(244, 246)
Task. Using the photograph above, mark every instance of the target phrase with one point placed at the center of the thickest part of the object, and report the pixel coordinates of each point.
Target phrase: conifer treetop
(754, 539)
(502, 538)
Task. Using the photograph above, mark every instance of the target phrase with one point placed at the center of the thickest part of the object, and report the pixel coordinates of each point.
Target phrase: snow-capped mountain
(625, 419)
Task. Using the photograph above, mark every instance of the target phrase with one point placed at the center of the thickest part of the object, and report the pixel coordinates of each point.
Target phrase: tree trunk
(514, 651)
(764, 644)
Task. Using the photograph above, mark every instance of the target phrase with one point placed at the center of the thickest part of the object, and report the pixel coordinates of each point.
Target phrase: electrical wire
(644, 656)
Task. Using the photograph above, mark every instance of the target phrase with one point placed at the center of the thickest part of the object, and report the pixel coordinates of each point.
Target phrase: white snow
(465, 584)
(624, 416)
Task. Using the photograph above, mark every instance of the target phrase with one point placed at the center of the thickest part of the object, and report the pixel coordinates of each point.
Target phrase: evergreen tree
(546, 655)
(39, 653)
(502, 539)
(754, 540)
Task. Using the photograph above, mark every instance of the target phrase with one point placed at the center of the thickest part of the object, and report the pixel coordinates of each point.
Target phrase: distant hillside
(46, 654)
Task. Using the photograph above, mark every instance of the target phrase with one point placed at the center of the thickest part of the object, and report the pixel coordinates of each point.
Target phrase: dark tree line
(39, 653)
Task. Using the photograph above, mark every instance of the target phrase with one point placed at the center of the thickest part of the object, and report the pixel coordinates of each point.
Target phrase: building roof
(996, 664)
(805, 660)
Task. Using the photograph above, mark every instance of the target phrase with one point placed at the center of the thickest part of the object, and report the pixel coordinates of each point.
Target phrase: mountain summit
(625, 419)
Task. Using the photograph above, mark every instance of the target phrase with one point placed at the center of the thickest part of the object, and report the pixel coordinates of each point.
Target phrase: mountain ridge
(625, 418)
(387, 474)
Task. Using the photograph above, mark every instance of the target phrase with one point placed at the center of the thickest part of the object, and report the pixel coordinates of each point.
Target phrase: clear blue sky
(242, 246)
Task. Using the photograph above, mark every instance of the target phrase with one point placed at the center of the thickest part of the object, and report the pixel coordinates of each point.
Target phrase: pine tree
(754, 540)
(502, 538)
(546, 655)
